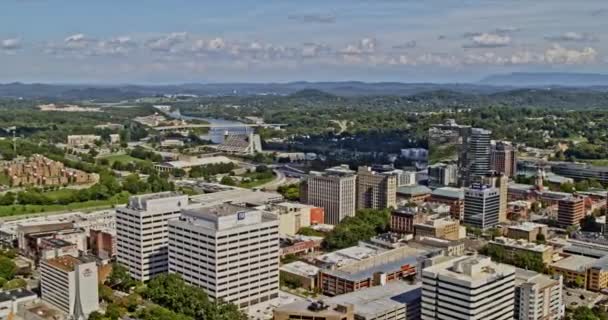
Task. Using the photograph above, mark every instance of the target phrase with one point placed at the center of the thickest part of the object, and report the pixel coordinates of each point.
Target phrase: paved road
(280, 180)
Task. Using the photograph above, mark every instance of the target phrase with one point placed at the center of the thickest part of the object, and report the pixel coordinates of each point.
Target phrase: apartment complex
(376, 190)
(513, 248)
(454, 197)
(528, 231)
(503, 158)
(334, 190)
(142, 235)
(39, 170)
(442, 228)
(538, 296)
(232, 252)
(82, 140)
(469, 287)
(481, 206)
(293, 216)
(403, 219)
(570, 211)
(70, 284)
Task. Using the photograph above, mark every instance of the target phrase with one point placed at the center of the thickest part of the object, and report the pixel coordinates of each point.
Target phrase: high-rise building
(376, 190)
(475, 160)
(232, 252)
(141, 232)
(469, 287)
(501, 182)
(503, 158)
(570, 211)
(481, 206)
(70, 284)
(442, 175)
(538, 296)
(333, 190)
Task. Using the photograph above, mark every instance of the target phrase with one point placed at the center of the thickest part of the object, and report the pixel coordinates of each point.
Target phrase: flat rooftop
(527, 226)
(380, 299)
(575, 263)
(9, 295)
(520, 244)
(449, 192)
(244, 196)
(527, 276)
(301, 268)
(472, 270)
(67, 263)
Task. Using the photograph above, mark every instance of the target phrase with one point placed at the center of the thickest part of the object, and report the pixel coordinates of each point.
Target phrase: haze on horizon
(280, 41)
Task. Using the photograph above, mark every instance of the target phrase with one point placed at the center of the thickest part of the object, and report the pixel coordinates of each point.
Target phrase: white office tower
(468, 288)
(141, 232)
(538, 296)
(231, 252)
(334, 190)
(70, 284)
(481, 206)
(477, 154)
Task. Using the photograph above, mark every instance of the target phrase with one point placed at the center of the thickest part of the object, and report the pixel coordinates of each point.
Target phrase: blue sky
(154, 41)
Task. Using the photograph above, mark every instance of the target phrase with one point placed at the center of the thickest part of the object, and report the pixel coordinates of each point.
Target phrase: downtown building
(503, 158)
(70, 284)
(231, 252)
(570, 211)
(142, 234)
(469, 287)
(376, 190)
(475, 160)
(481, 206)
(499, 181)
(334, 190)
(538, 296)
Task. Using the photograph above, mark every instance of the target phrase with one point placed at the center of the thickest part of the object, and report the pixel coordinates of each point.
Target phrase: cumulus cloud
(560, 55)
(488, 40)
(363, 46)
(167, 43)
(314, 50)
(313, 18)
(10, 44)
(573, 37)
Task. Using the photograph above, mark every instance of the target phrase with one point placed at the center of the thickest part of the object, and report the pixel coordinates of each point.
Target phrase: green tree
(120, 278)
(8, 269)
(226, 180)
(15, 284)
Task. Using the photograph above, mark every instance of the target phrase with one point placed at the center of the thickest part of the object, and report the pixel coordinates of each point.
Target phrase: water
(217, 132)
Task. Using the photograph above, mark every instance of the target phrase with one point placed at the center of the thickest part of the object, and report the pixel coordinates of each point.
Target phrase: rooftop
(9, 295)
(67, 263)
(180, 164)
(527, 276)
(378, 300)
(527, 226)
(575, 263)
(449, 192)
(413, 190)
(521, 244)
(241, 196)
(473, 270)
(301, 268)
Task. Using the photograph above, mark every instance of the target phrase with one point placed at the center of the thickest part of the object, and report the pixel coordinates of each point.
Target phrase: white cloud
(363, 46)
(573, 37)
(168, 43)
(560, 55)
(313, 18)
(10, 44)
(488, 40)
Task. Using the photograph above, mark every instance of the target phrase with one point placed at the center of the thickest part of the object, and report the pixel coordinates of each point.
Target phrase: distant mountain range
(523, 79)
(490, 85)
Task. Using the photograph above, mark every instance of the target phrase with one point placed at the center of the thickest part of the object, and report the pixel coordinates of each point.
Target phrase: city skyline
(280, 41)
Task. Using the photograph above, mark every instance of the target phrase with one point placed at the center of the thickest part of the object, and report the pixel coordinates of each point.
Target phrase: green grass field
(122, 158)
(18, 210)
(596, 162)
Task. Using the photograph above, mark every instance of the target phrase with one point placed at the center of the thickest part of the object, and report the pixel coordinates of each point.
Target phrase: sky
(183, 41)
